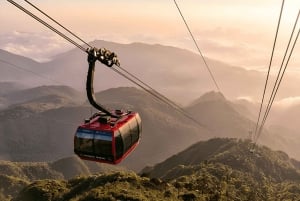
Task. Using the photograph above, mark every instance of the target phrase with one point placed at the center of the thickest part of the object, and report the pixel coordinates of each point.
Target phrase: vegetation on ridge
(223, 174)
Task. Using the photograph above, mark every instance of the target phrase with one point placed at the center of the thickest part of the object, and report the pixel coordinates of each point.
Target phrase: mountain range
(43, 129)
(38, 121)
(178, 73)
(41, 126)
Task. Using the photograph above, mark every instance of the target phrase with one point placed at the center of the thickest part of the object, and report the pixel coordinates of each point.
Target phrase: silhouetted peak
(211, 96)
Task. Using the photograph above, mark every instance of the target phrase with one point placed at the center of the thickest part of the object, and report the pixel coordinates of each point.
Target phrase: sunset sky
(237, 32)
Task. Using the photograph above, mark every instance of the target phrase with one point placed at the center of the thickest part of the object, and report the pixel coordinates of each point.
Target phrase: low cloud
(231, 45)
(288, 102)
(245, 98)
(38, 46)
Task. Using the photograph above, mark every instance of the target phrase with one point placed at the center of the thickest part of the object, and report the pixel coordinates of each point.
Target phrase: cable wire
(29, 71)
(91, 47)
(155, 94)
(270, 63)
(58, 23)
(279, 82)
(195, 42)
(46, 24)
(159, 97)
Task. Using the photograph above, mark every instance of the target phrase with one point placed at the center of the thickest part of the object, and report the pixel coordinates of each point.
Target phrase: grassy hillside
(236, 154)
(14, 176)
(74, 166)
(207, 171)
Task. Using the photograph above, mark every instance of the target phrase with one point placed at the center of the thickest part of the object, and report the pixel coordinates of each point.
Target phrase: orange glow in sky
(237, 32)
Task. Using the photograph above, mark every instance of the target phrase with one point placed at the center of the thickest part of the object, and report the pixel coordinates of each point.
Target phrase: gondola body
(108, 140)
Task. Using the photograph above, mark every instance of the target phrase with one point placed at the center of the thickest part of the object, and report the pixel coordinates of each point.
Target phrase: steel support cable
(58, 23)
(171, 102)
(277, 87)
(159, 96)
(91, 47)
(196, 44)
(88, 44)
(44, 77)
(280, 74)
(268, 74)
(46, 24)
(29, 71)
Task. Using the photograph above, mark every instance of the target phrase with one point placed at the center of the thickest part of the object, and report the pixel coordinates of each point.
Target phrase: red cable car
(106, 136)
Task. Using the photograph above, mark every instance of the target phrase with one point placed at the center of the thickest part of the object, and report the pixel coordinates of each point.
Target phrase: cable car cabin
(106, 136)
(103, 138)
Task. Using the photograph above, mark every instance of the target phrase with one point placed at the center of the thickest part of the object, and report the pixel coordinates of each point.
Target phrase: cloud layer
(39, 46)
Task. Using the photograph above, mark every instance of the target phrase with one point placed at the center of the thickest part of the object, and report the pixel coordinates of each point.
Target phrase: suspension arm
(109, 59)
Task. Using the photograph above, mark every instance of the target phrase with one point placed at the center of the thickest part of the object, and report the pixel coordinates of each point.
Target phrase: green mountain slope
(14, 176)
(236, 154)
(212, 170)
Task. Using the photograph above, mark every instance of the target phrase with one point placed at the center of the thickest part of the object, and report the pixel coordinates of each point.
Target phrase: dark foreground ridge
(217, 169)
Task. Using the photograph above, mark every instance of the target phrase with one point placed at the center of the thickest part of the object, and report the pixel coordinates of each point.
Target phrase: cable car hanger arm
(107, 58)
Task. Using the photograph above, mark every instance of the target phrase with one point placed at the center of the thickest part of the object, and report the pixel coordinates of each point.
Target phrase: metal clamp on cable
(104, 56)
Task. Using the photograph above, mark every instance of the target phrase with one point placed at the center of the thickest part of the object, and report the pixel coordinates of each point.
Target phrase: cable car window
(119, 145)
(125, 133)
(134, 130)
(84, 141)
(103, 144)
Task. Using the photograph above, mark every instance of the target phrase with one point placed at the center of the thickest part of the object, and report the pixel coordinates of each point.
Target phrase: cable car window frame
(126, 135)
(84, 139)
(134, 130)
(106, 144)
(119, 145)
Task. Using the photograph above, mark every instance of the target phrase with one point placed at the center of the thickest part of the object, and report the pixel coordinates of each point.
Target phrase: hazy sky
(239, 32)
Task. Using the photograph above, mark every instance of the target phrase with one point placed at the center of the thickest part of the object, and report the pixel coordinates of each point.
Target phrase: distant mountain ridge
(220, 115)
(38, 126)
(58, 124)
(10, 87)
(23, 103)
(27, 95)
(178, 73)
